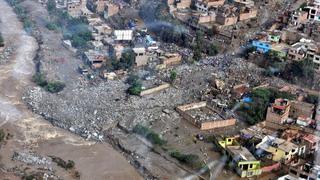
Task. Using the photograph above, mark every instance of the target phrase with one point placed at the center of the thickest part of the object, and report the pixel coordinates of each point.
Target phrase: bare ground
(32, 133)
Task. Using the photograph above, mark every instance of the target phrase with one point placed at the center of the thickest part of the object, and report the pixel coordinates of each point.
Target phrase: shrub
(40, 79)
(149, 134)
(50, 86)
(135, 88)
(55, 87)
(173, 75)
(62, 163)
(52, 26)
(191, 160)
(213, 50)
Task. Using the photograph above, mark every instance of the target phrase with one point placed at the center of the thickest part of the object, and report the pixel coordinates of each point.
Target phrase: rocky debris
(5, 55)
(90, 110)
(32, 159)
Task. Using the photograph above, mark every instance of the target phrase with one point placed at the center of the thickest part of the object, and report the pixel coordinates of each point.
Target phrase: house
(240, 158)
(280, 149)
(312, 143)
(274, 37)
(245, 164)
(298, 17)
(313, 53)
(200, 18)
(169, 59)
(302, 171)
(297, 52)
(141, 56)
(278, 113)
(227, 15)
(95, 59)
(74, 8)
(299, 108)
(314, 11)
(205, 5)
(246, 13)
(261, 46)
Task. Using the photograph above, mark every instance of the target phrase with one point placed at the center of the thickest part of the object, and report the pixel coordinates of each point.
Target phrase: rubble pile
(5, 55)
(88, 111)
(32, 159)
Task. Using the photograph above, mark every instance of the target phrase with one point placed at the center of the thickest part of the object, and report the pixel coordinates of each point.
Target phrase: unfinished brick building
(278, 113)
(203, 116)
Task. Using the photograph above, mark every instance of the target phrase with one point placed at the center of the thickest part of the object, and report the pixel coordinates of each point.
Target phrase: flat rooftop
(243, 153)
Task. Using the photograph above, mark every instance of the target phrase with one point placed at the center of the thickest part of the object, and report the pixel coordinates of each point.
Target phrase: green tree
(198, 46)
(135, 88)
(213, 50)
(149, 134)
(173, 75)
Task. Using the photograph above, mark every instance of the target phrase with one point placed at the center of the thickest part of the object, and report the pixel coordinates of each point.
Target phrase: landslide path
(30, 131)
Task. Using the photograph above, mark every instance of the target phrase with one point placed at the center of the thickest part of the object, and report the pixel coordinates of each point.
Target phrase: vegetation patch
(75, 29)
(62, 163)
(255, 111)
(149, 134)
(135, 85)
(50, 86)
(190, 160)
(52, 26)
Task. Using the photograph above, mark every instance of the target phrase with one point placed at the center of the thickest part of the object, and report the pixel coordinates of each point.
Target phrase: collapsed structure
(203, 116)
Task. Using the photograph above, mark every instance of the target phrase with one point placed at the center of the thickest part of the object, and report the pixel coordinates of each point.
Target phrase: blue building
(261, 46)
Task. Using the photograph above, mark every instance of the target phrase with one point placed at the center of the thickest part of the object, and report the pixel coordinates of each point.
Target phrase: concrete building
(74, 8)
(261, 46)
(205, 5)
(245, 164)
(307, 171)
(141, 56)
(299, 108)
(280, 149)
(246, 13)
(298, 17)
(278, 113)
(227, 15)
(169, 59)
(314, 11)
(95, 59)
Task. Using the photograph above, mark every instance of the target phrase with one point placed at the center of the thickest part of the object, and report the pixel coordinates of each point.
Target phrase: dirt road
(30, 131)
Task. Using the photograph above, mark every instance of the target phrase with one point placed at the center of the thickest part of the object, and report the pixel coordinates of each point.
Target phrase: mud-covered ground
(28, 132)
